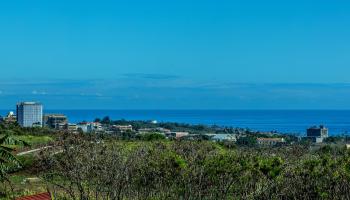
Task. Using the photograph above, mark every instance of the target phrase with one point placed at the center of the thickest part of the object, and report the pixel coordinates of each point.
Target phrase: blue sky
(182, 54)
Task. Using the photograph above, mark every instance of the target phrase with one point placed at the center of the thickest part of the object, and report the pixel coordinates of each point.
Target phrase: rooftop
(270, 139)
(42, 196)
(29, 103)
(318, 127)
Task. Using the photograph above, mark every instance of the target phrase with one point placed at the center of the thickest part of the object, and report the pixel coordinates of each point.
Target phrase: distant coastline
(284, 121)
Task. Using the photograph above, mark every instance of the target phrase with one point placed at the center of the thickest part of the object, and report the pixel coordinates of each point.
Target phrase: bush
(151, 136)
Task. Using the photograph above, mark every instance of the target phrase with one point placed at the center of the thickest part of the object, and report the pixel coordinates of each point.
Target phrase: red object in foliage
(42, 196)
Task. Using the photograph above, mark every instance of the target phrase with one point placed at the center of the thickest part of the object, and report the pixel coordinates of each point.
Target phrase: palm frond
(8, 157)
(6, 148)
(9, 140)
(8, 161)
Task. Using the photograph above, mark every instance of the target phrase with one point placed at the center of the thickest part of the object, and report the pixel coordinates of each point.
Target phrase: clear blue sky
(191, 54)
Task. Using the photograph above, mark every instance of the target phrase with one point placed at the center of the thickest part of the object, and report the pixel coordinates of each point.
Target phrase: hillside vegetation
(89, 166)
(92, 169)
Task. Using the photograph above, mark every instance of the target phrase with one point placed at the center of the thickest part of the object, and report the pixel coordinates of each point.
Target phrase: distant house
(123, 128)
(224, 137)
(146, 130)
(10, 118)
(163, 130)
(42, 196)
(71, 127)
(83, 126)
(158, 130)
(179, 135)
(88, 127)
(270, 141)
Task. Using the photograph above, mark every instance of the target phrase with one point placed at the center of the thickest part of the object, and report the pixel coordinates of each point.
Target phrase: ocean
(284, 121)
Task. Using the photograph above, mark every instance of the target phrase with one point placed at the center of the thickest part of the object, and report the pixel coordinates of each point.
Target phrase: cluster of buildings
(30, 114)
(315, 134)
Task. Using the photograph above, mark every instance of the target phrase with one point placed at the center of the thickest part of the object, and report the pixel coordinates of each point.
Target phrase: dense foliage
(8, 161)
(148, 166)
(93, 169)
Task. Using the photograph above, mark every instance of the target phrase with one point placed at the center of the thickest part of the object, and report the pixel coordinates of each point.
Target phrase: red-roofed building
(42, 196)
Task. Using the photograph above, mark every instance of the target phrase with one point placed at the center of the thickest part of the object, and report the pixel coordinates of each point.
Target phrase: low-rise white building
(179, 135)
(224, 137)
(123, 128)
(270, 141)
(88, 127)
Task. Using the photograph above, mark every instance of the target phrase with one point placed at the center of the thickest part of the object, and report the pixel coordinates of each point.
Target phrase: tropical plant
(8, 161)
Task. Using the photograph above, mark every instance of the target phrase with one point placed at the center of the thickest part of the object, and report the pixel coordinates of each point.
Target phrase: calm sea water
(286, 121)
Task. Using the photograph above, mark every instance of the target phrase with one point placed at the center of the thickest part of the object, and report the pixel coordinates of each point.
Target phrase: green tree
(151, 136)
(106, 120)
(246, 141)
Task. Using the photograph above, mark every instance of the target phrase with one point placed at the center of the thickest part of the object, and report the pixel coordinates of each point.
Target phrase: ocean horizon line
(183, 109)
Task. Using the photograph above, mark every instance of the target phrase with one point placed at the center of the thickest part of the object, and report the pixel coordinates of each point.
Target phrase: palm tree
(8, 161)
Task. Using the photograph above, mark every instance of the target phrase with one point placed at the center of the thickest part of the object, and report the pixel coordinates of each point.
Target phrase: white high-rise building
(30, 114)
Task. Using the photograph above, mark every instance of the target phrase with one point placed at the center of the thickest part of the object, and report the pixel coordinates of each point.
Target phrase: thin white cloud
(151, 76)
(35, 92)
